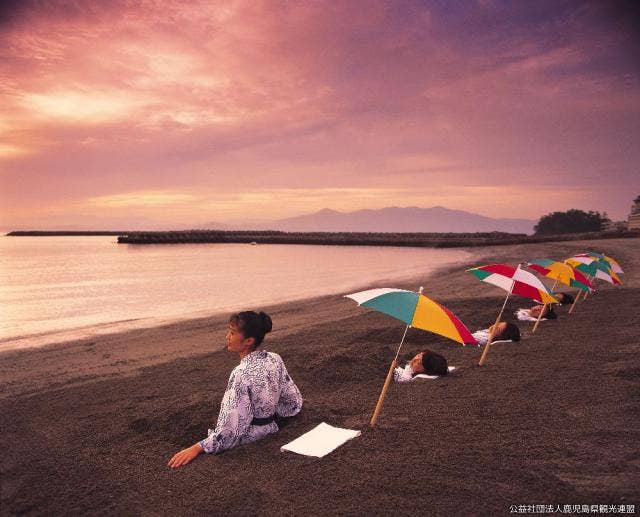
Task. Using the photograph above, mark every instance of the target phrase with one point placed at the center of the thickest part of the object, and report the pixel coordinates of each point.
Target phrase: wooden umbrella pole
(483, 357)
(575, 300)
(544, 308)
(586, 293)
(387, 382)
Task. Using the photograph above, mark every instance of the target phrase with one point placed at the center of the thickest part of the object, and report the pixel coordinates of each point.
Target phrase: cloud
(100, 100)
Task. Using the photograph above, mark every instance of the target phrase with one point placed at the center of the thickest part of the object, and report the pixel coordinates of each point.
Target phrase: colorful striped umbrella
(416, 310)
(561, 272)
(609, 261)
(615, 266)
(514, 280)
(594, 268)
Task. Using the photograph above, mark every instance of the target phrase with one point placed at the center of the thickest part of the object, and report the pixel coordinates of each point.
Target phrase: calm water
(58, 288)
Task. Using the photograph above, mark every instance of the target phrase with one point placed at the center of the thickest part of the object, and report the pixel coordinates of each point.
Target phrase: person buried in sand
(564, 298)
(259, 389)
(546, 310)
(502, 331)
(428, 362)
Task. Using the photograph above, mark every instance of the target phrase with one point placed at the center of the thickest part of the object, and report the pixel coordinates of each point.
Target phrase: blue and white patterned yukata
(259, 388)
(403, 374)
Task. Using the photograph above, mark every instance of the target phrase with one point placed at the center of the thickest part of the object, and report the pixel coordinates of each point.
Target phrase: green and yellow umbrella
(417, 311)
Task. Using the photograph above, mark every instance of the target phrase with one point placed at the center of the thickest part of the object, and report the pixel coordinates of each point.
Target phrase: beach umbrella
(417, 311)
(594, 268)
(609, 261)
(615, 266)
(514, 280)
(560, 272)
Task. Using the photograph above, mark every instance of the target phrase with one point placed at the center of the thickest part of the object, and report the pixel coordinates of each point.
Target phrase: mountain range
(391, 219)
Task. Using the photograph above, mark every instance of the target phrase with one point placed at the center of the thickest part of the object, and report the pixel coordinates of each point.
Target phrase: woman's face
(416, 363)
(236, 342)
(535, 311)
(498, 329)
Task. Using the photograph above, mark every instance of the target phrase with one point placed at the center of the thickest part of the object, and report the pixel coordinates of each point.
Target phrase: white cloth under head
(525, 315)
(482, 336)
(406, 374)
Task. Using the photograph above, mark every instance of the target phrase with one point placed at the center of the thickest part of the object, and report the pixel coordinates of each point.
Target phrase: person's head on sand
(504, 331)
(429, 362)
(547, 312)
(564, 298)
(246, 331)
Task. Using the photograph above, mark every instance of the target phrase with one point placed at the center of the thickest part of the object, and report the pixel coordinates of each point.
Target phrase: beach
(88, 426)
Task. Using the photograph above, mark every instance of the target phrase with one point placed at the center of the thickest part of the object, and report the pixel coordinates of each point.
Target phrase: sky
(134, 113)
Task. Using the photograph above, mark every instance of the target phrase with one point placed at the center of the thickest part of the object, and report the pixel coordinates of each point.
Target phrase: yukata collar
(252, 356)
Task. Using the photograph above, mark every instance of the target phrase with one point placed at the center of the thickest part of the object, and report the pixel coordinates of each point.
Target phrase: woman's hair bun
(266, 321)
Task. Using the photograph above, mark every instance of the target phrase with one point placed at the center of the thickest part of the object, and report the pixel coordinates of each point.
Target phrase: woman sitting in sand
(259, 389)
(428, 362)
(502, 331)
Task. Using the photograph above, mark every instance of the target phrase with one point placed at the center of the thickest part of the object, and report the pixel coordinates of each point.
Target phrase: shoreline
(123, 325)
(553, 419)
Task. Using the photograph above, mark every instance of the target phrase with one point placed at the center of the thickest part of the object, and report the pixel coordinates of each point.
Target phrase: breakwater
(431, 240)
(62, 233)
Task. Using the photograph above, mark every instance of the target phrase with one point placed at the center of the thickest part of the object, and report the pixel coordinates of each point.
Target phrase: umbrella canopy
(416, 310)
(609, 261)
(514, 280)
(561, 272)
(615, 266)
(594, 268)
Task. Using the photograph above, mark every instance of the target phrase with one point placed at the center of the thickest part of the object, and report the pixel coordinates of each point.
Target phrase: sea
(55, 289)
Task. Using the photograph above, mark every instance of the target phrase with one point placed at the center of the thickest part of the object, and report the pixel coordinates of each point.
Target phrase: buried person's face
(416, 364)
(236, 342)
(535, 311)
(498, 329)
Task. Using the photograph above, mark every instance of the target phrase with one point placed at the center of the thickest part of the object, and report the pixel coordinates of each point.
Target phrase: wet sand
(88, 426)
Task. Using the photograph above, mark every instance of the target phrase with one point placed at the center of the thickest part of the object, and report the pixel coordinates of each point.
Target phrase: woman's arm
(290, 402)
(234, 419)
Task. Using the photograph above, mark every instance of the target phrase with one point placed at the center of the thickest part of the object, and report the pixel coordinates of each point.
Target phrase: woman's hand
(185, 456)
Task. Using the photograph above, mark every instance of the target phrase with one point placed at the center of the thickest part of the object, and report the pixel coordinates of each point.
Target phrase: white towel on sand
(425, 376)
(482, 336)
(320, 441)
(525, 315)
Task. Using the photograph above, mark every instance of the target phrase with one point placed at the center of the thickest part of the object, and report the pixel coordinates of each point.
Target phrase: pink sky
(125, 113)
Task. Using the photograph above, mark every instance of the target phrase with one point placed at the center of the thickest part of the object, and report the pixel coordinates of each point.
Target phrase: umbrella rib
(401, 341)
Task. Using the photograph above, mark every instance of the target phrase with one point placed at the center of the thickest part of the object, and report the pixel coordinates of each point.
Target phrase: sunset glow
(126, 113)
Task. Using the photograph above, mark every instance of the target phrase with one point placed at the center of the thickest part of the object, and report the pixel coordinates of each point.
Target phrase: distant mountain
(392, 220)
(396, 219)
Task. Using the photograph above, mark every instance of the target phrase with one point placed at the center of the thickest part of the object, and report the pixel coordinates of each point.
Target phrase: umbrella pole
(575, 300)
(586, 292)
(544, 307)
(387, 382)
(483, 357)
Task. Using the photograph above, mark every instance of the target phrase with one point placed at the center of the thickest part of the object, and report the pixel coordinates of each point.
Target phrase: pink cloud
(235, 97)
